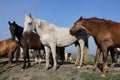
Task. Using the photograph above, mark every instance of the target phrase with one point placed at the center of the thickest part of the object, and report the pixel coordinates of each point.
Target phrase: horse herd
(44, 37)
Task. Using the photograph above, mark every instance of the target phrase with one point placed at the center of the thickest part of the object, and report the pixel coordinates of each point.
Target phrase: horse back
(115, 34)
(8, 45)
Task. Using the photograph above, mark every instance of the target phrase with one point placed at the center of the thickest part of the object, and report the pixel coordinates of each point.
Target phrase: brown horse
(8, 47)
(30, 42)
(105, 33)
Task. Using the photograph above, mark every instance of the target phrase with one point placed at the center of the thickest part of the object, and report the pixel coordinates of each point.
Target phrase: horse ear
(30, 15)
(80, 18)
(9, 22)
(14, 22)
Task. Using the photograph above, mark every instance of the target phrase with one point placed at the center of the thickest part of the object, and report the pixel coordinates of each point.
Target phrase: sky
(62, 13)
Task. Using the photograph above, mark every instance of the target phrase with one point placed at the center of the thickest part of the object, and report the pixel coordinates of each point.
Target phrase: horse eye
(30, 23)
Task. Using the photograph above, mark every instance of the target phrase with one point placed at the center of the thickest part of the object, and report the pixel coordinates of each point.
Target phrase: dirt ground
(67, 71)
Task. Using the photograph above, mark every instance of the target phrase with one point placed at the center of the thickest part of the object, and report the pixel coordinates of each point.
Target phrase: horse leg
(97, 56)
(105, 67)
(9, 59)
(78, 54)
(112, 52)
(39, 56)
(118, 61)
(62, 56)
(17, 55)
(42, 52)
(47, 51)
(60, 53)
(24, 56)
(82, 43)
(85, 54)
(53, 50)
(28, 58)
(35, 54)
(86, 49)
(51, 59)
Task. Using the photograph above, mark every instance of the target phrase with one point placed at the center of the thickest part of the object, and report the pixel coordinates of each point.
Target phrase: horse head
(79, 26)
(29, 25)
(12, 29)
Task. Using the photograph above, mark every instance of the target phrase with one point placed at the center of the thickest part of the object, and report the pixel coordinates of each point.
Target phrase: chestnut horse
(105, 33)
(9, 47)
(30, 42)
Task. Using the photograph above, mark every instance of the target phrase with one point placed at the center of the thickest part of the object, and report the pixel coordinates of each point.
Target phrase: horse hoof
(112, 66)
(28, 65)
(23, 67)
(7, 66)
(46, 69)
(78, 67)
(93, 68)
(102, 75)
(54, 69)
(76, 63)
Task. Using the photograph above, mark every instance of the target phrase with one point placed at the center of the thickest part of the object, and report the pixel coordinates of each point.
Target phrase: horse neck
(19, 32)
(46, 27)
(91, 28)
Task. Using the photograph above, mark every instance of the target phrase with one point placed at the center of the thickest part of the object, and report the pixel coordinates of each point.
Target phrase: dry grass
(67, 71)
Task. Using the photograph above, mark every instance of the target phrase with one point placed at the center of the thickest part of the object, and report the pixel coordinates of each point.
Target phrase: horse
(105, 33)
(117, 52)
(32, 42)
(52, 36)
(7, 48)
(68, 56)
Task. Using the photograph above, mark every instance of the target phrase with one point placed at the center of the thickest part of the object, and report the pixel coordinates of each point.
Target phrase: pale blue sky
(59, 12)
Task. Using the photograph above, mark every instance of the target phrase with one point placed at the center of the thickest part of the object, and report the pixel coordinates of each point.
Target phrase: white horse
(52, 36)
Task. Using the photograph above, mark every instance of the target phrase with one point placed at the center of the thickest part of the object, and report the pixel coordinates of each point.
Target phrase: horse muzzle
(25, 34)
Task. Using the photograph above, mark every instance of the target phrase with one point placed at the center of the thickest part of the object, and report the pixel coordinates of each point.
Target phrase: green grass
(56, 78)
(90, 76)
(73, 57)
(96, 76)
(4, 78)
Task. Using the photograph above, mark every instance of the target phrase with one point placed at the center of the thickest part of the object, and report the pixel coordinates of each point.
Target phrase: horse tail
(86, 50)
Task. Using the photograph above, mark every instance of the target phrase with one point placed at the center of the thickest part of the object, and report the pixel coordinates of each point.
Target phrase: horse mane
(96, 19)
(44, 22)
(18, 26)
(19, 30)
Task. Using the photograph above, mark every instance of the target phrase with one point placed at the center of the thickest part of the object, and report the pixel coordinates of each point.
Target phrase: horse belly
(64, 42)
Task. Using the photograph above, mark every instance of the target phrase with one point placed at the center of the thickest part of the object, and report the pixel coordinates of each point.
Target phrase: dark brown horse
(30, 42)
(105, 33)
(7, 48)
